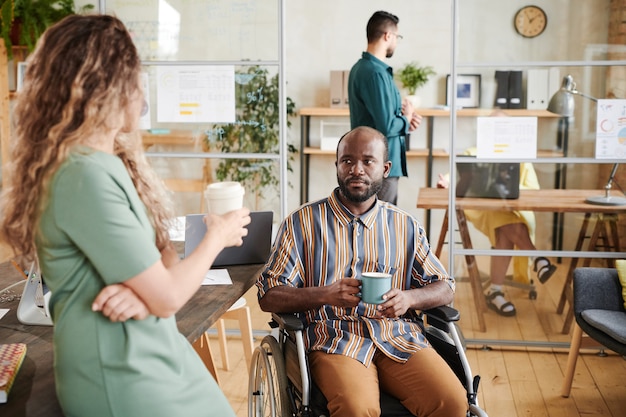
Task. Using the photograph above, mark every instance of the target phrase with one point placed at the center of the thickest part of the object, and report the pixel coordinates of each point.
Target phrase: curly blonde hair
(84, 70)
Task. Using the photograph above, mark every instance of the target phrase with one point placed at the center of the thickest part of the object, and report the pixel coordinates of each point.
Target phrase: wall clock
(530, 21)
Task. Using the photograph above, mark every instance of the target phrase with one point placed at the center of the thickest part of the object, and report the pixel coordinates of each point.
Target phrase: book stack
(11, 357)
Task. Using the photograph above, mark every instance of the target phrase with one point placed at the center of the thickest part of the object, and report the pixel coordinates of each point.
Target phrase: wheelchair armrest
(287, 321)
(445, 313)
(441, 316)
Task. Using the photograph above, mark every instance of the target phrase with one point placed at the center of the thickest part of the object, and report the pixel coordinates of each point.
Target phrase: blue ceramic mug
(373, 286)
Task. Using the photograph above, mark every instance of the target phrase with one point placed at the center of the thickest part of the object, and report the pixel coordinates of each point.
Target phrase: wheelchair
(280, 384)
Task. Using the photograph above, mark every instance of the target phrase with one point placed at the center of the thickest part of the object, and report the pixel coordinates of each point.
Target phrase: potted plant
(22, 22)
(254, 131)
(412, 77)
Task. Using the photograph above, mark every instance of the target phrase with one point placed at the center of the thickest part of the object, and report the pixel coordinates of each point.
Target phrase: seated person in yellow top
(508, 230)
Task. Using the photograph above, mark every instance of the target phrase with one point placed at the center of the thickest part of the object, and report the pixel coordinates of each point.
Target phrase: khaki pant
(424, 384)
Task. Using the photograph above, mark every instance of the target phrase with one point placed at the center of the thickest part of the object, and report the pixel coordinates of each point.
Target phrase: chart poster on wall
(196, 94)
(506, 137)
(611, 129)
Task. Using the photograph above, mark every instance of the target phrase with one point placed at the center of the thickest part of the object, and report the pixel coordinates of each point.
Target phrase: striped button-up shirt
(323, 242)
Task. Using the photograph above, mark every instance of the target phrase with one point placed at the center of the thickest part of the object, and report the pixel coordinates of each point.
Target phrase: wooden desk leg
(610, 237)
(203, 349)
(567, 287)
(616, 243)
(472, 270)
(569, 317)
(442, 236)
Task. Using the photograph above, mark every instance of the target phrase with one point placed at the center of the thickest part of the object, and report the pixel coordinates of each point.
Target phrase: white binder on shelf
(541, 84)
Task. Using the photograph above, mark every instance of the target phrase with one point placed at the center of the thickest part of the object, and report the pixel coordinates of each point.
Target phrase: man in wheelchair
(358, 349)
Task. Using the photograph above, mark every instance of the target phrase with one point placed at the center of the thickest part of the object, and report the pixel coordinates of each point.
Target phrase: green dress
(94, 231)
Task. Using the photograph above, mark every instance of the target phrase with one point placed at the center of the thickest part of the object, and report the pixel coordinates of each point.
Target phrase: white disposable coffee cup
(222, 197)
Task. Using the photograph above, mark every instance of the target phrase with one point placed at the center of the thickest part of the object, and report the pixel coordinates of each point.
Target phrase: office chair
(599, 312)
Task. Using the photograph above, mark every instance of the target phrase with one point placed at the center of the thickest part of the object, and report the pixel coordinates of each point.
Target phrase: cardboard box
(329, 143)
(330, 133)
(346, 76)
(336, 89)
(339, 88)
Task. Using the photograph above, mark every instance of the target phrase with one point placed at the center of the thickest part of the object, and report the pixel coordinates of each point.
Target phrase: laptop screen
(488, 180)
(254, 250)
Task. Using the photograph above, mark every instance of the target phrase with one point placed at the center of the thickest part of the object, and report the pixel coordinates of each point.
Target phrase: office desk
(33, 394)
(553, 201)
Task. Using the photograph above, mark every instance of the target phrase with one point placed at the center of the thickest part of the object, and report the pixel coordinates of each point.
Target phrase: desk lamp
(606, 199)
(562, 102)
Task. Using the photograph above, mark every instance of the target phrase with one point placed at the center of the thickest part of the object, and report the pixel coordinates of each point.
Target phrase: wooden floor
(517, 381)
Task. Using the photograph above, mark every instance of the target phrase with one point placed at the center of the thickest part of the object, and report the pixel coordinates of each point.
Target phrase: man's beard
(374, 188)
(390, 52)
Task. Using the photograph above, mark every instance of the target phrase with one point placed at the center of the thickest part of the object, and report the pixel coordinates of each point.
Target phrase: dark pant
(389, 192)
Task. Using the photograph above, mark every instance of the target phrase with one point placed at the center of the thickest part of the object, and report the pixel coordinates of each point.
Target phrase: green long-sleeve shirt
(375, 102)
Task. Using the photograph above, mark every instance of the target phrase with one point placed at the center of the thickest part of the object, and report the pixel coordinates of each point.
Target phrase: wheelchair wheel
(268, 381)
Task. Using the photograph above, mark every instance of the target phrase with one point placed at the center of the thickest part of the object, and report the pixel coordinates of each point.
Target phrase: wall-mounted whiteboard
(201, 30)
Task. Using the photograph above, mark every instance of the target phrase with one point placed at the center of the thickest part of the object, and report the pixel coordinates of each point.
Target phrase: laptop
(256, 245)
(488, 180)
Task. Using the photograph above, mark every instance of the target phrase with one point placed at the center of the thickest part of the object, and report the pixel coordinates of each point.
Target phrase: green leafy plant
(412, 76)
(255, 130)
(24, 21)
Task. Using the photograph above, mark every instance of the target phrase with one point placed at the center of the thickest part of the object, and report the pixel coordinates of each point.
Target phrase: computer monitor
(33, 307)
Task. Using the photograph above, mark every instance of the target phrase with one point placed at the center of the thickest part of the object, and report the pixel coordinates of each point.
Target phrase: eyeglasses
(399, 37)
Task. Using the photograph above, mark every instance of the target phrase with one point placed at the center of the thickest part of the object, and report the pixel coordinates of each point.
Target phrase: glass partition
(519, 74)
(215, 94)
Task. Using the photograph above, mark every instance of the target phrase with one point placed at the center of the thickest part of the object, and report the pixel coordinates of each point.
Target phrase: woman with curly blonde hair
(84, 202)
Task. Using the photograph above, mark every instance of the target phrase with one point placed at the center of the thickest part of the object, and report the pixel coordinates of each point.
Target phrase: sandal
(545, 272)
(501, 311)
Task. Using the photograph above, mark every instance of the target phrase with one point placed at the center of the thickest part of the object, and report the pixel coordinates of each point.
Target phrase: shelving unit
(189, 139)
(429, 152)
(528, 56)
(6, 95)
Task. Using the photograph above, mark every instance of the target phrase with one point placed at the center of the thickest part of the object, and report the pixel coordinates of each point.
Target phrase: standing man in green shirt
(375, 100)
